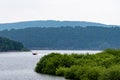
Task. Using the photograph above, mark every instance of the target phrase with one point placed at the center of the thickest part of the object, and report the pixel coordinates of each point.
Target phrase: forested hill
(47, 23)
(10, 45)
(66, 37)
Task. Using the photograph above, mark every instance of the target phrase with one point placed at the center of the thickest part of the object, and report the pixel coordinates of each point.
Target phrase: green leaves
(112, 73)
(100, 66)
(49, 63)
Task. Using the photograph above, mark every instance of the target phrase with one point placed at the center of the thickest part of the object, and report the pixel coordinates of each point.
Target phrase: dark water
(20, 65)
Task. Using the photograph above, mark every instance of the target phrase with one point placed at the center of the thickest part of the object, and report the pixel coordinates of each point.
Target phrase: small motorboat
(34, 53)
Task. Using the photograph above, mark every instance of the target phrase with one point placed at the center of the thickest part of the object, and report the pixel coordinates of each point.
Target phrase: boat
(34, 53)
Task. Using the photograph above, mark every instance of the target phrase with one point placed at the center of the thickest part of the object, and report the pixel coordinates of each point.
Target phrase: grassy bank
(100, 66)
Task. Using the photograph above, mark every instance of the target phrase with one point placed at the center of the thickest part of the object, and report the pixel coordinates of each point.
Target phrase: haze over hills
(74, 38)
(51, 34)
(48, 23)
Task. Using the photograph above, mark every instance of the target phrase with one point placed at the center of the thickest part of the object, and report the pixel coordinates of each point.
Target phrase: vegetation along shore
(100, 66)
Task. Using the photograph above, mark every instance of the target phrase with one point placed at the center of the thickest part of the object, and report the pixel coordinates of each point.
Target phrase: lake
(20, 65)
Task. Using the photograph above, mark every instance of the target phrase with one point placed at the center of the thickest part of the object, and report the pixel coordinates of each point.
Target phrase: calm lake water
(20, 65)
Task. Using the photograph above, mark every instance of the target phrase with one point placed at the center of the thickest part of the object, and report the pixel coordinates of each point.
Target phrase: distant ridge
(66, 38)
(48, 23)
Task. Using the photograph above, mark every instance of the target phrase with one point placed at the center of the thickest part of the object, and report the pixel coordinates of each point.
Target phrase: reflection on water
(20, 65)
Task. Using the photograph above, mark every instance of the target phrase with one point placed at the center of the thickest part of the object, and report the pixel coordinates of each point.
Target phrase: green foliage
(100, 66)
(70, 73)
(84, 73)
(10, 45)
(49, 63)
(112, 73)
(115, 52)
(61, 71)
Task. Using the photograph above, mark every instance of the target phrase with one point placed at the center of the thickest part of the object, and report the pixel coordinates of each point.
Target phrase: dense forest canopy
(77, 37)
(10, 45)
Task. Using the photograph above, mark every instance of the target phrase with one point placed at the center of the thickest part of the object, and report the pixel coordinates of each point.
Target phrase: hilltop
(48, 23)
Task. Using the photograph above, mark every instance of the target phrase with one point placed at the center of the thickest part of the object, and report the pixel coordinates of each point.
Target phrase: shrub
(101, 66)
(70, 73)
(116, 60)
(112, 73)
(115, 52)
(89, 73)
(49, 63)
(61, 71)
(84, 73)
(43, 61)
(94, 73)
(107, 63)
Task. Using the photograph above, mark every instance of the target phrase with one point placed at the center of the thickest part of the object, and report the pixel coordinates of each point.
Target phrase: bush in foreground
(84, 73)
(49, 63)
(100, 66)
(112, 73)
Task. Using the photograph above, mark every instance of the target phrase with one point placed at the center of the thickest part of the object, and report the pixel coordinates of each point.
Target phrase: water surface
(20, 65)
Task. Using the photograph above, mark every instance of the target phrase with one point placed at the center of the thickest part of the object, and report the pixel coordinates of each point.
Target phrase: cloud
(105, 11)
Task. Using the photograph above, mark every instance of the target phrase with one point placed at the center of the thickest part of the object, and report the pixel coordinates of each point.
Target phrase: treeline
(88, 38)
(100, 66)
(10, 45)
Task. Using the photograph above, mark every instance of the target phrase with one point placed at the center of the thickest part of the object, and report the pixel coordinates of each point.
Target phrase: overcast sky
(103, 11)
